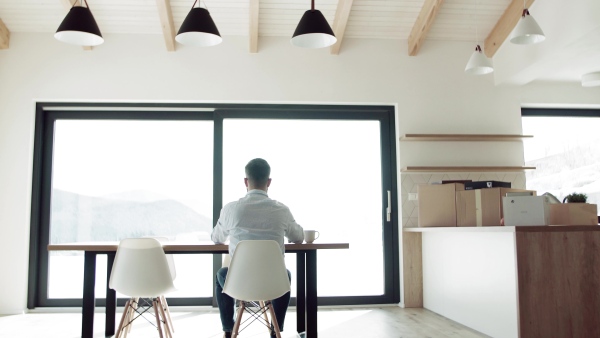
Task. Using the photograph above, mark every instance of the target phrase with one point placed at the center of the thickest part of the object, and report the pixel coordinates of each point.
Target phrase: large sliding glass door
(333, 170)
(105, 174)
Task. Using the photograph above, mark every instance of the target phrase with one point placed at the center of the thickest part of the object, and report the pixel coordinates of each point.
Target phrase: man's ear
(246, 182)
(268, 182)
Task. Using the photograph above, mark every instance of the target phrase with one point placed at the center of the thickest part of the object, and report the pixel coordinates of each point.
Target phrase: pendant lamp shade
(313, 31)
(479, 64)
(527, 31)
(79, 28)
(198, 29)
(590, 79)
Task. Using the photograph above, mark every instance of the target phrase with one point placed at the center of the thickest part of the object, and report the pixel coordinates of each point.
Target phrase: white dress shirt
(256, 217)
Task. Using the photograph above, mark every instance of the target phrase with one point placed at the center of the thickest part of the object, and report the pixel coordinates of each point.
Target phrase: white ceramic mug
(310, 235)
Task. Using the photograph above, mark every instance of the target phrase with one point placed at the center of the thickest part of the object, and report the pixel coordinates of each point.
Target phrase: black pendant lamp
(198, 29)
(313, 31)
(79, 27)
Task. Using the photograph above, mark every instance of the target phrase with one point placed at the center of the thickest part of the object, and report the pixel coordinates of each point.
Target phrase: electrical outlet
(413, 196)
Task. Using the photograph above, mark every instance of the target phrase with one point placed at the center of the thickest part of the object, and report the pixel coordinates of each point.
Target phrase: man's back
(256, 217)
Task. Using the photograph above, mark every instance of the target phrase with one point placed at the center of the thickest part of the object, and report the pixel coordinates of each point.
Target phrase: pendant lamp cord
(194, 5)
(476, 25)
(81, 3)
(312, 5)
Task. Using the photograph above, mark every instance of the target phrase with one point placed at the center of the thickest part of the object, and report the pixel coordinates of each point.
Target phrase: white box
(526, 210)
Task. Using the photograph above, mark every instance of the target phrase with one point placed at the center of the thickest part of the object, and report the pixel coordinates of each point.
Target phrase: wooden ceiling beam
(504, 26)
(4, 35)
(67, 4)
(422, 25)
(253, 33)
(166, 23)
(342, 13)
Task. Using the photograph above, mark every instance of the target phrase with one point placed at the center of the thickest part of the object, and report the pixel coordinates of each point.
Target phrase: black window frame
(561, 112)
(48, 112)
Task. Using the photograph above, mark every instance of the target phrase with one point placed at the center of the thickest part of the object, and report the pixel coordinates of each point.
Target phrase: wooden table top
(186, 246)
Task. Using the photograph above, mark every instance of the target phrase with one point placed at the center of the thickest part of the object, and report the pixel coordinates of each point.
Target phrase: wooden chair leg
(123, 318)
(132, 309)
(264, 309)
(156, 315)
(168, 312)
(164, 318)
(238, 320)
(130, 316)
(274, 320)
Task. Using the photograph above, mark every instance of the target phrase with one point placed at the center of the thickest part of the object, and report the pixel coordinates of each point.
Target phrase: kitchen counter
(524, 281)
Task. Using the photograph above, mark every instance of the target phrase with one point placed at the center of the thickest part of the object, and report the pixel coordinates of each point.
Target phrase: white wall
(431, 91)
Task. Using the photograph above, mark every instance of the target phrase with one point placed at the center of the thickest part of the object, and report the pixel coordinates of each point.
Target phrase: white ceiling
(387, 19)
(569, 55)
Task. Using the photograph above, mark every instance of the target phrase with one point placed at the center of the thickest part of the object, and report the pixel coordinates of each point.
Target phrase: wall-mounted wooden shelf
(463, 137)
(465, 169)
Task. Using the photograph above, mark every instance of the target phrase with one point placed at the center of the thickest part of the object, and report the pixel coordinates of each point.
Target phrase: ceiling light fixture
(198, 29)
(79, 27)
(590, 79)
(527, 31)
(479, 63)
(313, 31)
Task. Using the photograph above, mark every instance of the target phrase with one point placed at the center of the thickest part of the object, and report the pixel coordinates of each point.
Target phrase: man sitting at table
(253, 217)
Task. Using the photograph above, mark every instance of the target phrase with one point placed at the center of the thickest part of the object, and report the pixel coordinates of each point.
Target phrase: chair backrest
(170, 258)
(141, 269)
(257, 272)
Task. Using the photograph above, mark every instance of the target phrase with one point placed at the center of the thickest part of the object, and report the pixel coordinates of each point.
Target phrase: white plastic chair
(257, 273)
(141, 270)
(173, 271)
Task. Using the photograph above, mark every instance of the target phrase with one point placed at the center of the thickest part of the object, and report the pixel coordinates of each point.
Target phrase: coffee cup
(310, 235)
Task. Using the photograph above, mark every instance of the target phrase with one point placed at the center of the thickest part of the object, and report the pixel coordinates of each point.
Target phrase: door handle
(388, 210)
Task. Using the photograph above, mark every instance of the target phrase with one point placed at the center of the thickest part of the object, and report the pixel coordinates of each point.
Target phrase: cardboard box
(437, 204)
(574, 214)
(526, 210)
(486, 184)
(481, 207)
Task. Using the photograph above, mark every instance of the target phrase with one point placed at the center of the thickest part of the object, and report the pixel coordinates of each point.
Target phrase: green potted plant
(575, 198)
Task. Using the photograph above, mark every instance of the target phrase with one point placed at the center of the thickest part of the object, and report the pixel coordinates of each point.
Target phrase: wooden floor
(364, 322)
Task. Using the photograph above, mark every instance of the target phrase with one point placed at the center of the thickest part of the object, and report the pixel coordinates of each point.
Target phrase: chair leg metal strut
(137, 307)
(258, 312)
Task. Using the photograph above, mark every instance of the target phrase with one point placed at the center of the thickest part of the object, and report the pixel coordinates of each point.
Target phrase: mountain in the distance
(83, 218)
(136, 196)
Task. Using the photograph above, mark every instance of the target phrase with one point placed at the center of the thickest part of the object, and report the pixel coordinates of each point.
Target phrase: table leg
(89, 297)
(301, 292)
(311, 294)
(111, 299)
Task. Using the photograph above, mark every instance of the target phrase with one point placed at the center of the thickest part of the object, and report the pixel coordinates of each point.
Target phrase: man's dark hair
(258, 171)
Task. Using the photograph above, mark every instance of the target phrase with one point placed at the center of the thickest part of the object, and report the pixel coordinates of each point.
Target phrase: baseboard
(11, 312)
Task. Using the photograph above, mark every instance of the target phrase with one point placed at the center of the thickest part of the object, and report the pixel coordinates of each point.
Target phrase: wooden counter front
(559, 282)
